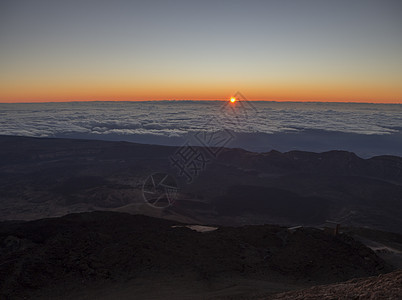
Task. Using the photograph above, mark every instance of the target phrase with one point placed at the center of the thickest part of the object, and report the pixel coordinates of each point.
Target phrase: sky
(305, 50)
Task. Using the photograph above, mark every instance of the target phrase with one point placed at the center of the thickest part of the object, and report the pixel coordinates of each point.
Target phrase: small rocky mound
(388, 286)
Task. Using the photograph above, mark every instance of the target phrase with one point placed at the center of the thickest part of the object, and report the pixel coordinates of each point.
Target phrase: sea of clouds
(366, 129)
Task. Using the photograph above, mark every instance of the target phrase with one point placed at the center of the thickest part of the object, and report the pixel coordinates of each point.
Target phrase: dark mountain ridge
(57, 256)
(44, 177)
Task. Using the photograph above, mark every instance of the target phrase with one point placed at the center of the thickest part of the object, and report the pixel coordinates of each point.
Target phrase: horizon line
(203, 100)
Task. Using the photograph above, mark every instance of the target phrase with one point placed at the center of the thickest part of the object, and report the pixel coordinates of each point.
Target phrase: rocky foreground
(388, 286)
(56, 257)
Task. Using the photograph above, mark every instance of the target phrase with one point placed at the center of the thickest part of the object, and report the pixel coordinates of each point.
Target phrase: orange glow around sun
(233, 100)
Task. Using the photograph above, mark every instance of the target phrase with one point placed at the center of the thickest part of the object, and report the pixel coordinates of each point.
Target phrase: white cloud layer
(171, 122)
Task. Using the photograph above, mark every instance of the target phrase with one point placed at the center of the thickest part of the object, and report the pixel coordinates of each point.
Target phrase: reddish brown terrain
(388, 286)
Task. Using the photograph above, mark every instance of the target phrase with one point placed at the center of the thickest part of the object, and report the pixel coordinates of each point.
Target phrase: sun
(233, 99)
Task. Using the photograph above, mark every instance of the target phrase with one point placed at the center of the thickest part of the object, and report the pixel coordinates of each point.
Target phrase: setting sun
(233, 100)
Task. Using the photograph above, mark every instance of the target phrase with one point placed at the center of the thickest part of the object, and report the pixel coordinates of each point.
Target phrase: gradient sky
(143, 50)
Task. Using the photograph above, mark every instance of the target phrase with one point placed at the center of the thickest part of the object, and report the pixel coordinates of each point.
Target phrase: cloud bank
(367, 129)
